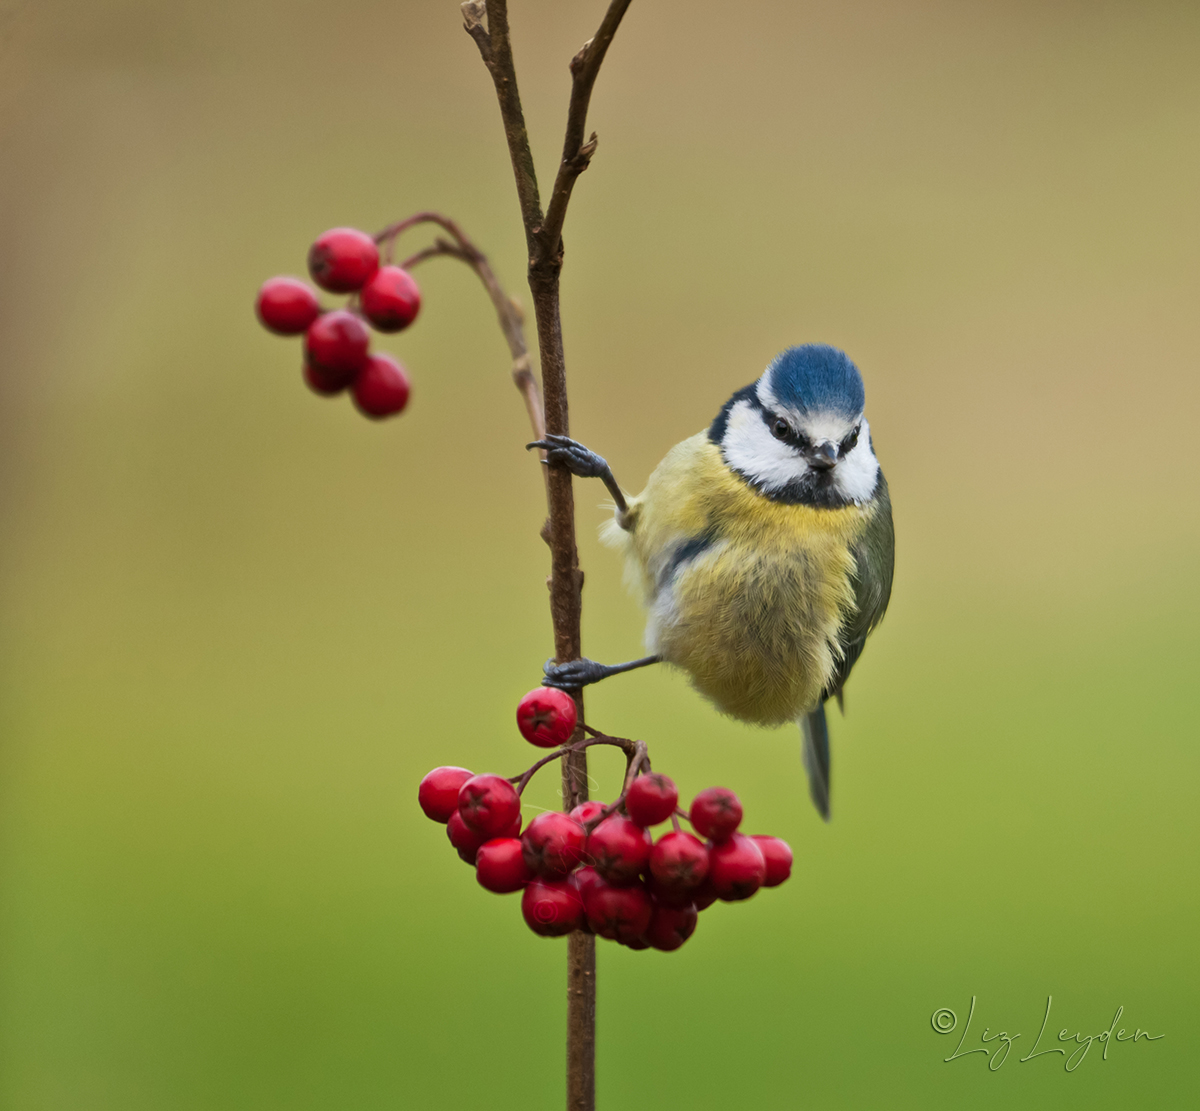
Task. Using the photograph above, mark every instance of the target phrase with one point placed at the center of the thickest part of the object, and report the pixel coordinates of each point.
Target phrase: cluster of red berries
(597, 868)
(336, 342)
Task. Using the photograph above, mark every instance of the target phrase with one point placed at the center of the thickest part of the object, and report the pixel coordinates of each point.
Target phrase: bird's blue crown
(817, 378)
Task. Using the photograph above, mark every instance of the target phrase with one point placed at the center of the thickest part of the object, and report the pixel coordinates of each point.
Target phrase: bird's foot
(582, 462)
(580, 673)
(574, 674)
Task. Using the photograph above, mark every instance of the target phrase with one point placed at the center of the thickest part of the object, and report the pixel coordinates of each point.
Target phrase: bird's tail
(816, 757)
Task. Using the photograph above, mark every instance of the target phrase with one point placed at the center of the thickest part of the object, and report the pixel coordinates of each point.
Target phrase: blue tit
(762, 548)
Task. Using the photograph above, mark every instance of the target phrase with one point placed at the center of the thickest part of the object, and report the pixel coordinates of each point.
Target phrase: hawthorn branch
(543, 240)
(566, 580)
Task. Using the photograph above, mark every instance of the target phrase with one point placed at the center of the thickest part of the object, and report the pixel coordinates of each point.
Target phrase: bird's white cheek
(856, 474)
(751, 449)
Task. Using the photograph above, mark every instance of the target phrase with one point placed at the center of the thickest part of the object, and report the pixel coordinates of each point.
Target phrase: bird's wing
(874, 556)
(872, 580)
(815, 753)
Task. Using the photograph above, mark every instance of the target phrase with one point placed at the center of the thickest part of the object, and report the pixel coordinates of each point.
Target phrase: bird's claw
(562, 451)
(573, 675)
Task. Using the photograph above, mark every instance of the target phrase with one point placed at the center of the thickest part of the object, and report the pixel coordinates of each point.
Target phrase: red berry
(619, 850)
(465, 839)
(715, 813)
(704, 896)
(670, 927)
(636, 943)
(286, 306)
(337, 342)
(438, 793)
(381, 388)
(673, 896)
(552, 907)
(391, 299)
(489, 804)
(737, 867)
(342, 259)
(553, 844)
(584, 878)
(618, 913)
(513, 830)
(327, 383)
(546, 717)
(778, 855)
(651, 799)
(679, 860)
(500, 867)
(586, 811)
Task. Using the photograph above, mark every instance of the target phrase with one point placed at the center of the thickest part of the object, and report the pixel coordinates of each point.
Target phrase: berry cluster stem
(508, 309)
(486, 21)
(630, 748)
(637, 759)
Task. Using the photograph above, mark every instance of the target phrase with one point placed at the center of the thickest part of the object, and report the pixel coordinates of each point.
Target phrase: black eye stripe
(783, 431)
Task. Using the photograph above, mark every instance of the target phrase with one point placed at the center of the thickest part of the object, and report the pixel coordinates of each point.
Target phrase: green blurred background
(240, 622)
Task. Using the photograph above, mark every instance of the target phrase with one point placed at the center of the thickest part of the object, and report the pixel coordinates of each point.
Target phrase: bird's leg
(582, 673)
(562, 451)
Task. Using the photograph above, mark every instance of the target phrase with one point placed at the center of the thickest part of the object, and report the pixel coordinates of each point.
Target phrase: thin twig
(508, 310)
(440, 247)
(387, 238)
(637, 761)
(576, 153)
(495, 48)
(630, 748)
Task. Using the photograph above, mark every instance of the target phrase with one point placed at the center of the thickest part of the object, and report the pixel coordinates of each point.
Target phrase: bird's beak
(823, 456)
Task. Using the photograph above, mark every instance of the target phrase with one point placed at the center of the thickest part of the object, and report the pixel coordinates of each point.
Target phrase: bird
(763, 549)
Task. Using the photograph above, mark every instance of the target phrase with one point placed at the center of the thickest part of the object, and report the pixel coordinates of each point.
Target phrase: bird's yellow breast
(745, 594)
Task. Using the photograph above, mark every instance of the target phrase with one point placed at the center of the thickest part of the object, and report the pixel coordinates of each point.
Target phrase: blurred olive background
(240, 622)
